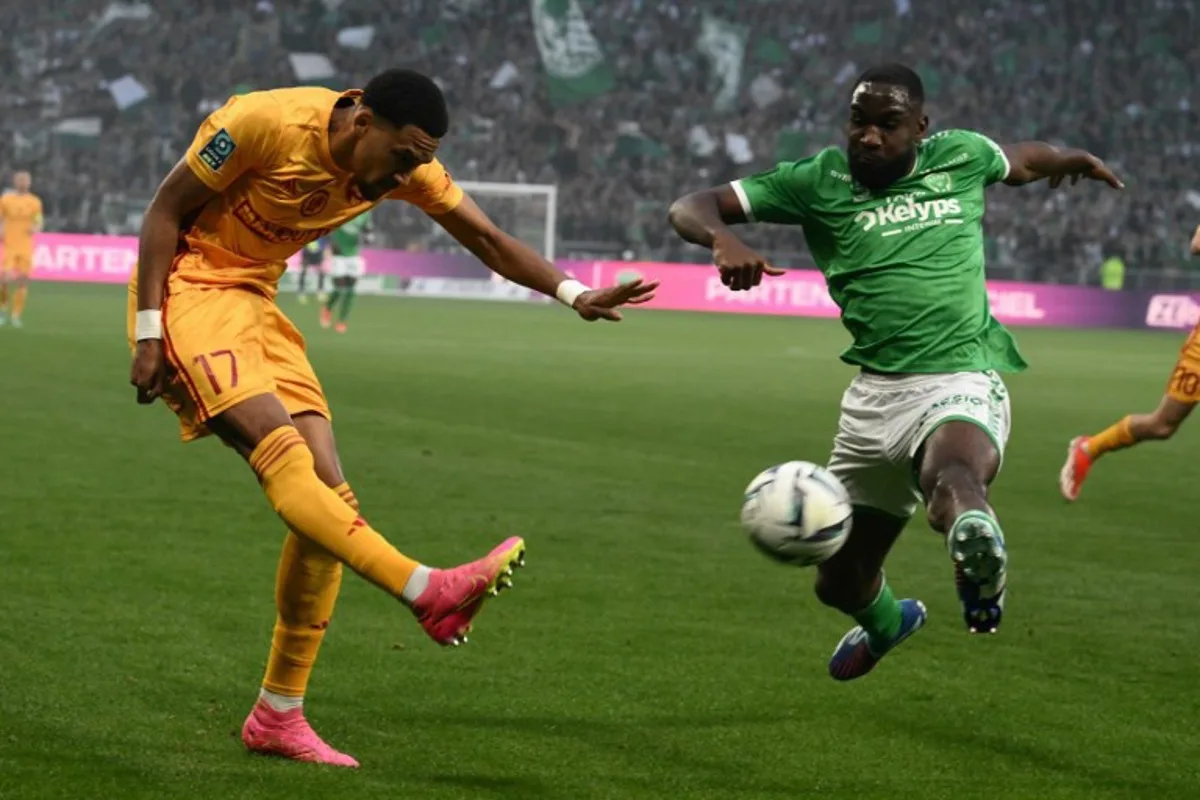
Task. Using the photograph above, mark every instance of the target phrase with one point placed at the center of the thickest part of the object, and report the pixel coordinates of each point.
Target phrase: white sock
(418, 582)
(280, 702)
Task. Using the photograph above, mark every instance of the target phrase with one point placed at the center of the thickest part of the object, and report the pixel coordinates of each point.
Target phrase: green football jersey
(347, 240)
(905, 264)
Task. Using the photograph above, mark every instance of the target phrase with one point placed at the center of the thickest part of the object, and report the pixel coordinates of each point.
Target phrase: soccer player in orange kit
(266, 174)
(21, 215)
(1181, 396)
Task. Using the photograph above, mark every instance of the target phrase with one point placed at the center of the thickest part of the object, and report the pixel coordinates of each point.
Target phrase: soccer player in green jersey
(348, 266)
(895, 224)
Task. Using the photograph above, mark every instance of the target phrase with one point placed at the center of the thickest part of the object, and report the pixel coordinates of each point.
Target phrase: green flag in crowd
(576, 68)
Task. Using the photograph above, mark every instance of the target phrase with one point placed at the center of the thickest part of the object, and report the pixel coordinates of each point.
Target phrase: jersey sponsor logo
(218, 150)
(274, 232)
(911, 214)
(315, 203)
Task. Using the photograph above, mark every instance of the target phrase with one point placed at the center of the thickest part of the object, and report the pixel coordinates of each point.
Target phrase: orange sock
(19, 301)
(310, 508)
(1114, 437)
(306, 588)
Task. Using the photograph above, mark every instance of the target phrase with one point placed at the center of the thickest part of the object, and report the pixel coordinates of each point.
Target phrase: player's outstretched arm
(180, 193)
(1032, 161)
(704, 218)
(1196, 242)
(516, 261)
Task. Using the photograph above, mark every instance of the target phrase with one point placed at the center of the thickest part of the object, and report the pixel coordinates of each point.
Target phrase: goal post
(526, 211)
(531, 207)
(440, 266)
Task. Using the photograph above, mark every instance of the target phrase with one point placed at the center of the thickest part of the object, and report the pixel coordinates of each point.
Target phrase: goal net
(524, 210)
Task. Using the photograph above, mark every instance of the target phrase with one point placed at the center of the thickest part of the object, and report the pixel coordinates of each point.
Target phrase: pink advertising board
(685, 287)
(83, 257)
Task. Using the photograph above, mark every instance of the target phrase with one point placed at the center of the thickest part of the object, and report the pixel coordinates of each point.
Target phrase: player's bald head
(22, 180)
(404, 97)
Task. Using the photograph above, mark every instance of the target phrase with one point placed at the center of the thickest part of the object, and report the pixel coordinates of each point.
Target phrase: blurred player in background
(348, 266)
(313, 258)
(1181, 396)
(266, 174)
(21, 216)
(894, 221)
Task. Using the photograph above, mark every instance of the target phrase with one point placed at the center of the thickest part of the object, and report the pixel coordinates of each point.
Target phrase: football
(797, 513)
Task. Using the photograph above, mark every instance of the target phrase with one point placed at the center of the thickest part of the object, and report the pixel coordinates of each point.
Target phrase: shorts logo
(218, 150)
(939, 182)
(315, 203)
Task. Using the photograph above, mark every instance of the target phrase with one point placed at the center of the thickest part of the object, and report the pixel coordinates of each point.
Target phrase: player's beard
(376, 190)
(873, 174)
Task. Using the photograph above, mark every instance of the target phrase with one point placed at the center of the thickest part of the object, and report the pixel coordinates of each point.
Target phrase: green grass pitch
(647, 651)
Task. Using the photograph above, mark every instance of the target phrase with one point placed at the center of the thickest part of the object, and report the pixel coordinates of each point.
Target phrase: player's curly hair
(405, 97)
(894, 75)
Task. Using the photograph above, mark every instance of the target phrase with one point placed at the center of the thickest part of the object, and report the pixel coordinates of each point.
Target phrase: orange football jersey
(22, 213)
(267, 154)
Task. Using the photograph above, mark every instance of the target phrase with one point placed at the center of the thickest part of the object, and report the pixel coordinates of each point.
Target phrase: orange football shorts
(1184, 385)
(18, 260)
(226, 345)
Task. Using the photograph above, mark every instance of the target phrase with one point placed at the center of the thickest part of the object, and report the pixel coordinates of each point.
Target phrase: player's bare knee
(318, 434)
(1160, 428)
(252, 420)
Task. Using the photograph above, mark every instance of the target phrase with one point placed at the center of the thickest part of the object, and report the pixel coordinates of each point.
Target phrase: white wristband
(148, 325)
(569, 290)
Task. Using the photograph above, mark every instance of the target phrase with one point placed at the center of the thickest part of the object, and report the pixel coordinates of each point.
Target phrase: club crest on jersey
(938, 182)
(315, 203)
(218, 150)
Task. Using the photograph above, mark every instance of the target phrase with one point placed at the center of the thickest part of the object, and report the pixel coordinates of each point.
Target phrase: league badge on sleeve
(218, 150)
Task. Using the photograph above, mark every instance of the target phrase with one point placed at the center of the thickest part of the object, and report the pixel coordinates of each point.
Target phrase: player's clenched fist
(149, 371)
(741, 267)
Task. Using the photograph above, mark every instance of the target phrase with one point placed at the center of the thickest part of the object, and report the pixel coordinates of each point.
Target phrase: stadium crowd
(99, 98)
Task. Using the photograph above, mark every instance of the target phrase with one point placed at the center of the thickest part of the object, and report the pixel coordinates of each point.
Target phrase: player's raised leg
(220, 346)
(853, 582)
(444, 601)
(1183, 392)
(956, 464)
(1159, 425)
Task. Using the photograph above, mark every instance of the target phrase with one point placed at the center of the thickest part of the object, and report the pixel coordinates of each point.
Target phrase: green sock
(881, 620)
(333, 298)
(347, 300)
